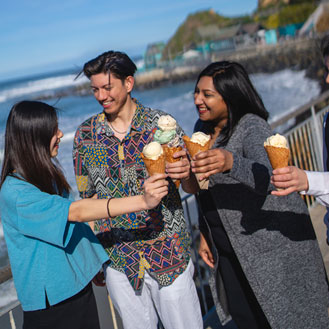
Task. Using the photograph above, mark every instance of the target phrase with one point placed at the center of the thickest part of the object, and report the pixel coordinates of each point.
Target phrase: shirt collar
(137, 123)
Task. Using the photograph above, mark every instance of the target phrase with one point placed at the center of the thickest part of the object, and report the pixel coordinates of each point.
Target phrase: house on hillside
(153, 55)
(249, 35)
(208, 32)
(226, 39)
(289, 31)
(271, 37)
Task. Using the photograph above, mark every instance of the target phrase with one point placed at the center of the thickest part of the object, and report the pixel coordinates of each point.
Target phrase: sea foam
(40, 86)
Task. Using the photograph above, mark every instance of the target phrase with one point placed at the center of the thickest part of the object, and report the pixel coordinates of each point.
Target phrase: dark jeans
(76, 312)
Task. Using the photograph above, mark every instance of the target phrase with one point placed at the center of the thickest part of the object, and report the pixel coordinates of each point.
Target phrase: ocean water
(282, 92)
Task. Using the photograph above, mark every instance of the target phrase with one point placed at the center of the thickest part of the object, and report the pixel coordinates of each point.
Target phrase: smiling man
(149, 272)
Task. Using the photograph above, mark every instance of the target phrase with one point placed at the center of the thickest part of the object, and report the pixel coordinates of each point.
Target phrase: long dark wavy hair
(232, 82)
(29, 130)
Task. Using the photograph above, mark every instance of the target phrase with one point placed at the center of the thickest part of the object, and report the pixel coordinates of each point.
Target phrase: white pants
(177, 305)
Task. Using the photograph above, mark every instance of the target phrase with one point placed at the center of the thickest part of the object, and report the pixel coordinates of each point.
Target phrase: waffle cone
(278, 156)
(194, 148)
(203, 184)
(155, 166)
(169, 152)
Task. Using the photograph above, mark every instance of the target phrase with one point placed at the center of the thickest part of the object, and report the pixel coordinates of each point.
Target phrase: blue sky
(38, 36)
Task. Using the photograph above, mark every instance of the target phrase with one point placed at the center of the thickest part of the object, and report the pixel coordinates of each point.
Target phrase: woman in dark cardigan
(268, 270)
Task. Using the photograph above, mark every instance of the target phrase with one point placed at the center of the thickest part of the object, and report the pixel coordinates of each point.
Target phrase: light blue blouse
(48, 254)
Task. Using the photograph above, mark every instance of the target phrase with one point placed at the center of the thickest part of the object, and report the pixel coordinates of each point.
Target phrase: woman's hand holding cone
(211, 162)
(205, 252)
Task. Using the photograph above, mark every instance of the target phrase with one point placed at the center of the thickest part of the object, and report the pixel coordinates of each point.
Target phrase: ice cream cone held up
(154, 158)
(166, 135)
(169, 156)
(277, 151)
(198, 142)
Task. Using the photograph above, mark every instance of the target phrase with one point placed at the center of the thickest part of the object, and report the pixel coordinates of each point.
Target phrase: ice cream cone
(194, 148)
(155, 166)
(169, 152)
(203, 184)
(278, 156)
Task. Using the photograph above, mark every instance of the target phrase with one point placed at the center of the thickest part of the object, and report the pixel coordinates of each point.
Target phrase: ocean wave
(285, 91)
(68, 137)
(41, 85)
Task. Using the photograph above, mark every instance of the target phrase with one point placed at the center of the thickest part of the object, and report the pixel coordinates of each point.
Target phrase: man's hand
(289, 179)
(179, 169)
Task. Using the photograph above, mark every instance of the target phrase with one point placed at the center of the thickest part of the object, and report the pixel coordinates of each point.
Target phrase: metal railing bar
(300, 110)
(203, 295)
(5, 274)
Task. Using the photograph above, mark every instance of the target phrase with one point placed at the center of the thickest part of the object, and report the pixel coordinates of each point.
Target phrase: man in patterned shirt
(149, 272)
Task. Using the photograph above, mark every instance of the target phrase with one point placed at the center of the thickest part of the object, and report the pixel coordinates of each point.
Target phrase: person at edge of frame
(293, 179)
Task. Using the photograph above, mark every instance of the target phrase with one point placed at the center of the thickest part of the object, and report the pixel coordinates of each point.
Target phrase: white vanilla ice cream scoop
(276, 140)
(166, 122)
(200, 138)
(152, 150)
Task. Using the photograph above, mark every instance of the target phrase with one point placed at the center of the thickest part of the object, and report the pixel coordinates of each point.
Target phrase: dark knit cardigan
(272, 236)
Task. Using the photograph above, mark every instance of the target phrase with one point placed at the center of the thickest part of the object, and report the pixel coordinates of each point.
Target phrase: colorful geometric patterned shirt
(157, 239)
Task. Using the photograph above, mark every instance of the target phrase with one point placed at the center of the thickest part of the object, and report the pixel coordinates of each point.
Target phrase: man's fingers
(282, 178)
(284, 170)
(283, 192)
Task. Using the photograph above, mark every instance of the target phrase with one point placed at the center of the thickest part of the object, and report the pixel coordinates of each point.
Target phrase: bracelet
(108, 209)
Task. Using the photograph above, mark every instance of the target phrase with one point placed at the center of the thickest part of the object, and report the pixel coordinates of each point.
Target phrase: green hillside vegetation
(273, 16)
(186, 35)
(290, 14)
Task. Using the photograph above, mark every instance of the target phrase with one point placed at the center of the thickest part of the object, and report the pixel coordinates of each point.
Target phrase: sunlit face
(111, 92)
(209, 103)
(54, 143)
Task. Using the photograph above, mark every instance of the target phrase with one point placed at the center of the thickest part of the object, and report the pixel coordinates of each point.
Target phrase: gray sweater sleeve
(251, 165)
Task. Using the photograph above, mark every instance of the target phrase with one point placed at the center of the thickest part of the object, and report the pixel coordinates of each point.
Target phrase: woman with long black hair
(267, 264)
(53, 254)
